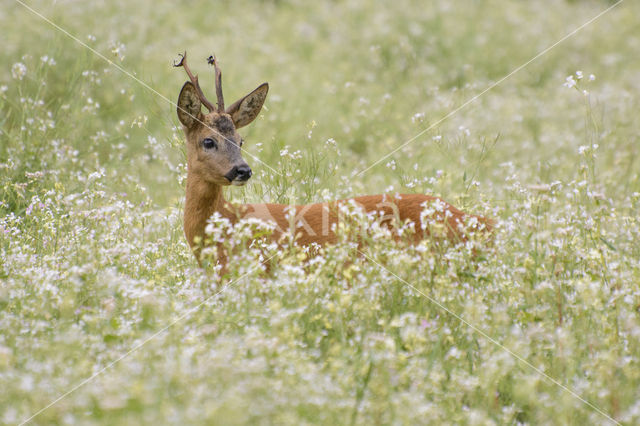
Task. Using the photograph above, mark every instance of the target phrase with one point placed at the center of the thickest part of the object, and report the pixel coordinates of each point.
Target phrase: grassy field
(104, 311)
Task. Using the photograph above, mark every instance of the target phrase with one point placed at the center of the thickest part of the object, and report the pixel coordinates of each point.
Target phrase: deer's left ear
(246, 109)
(189, 106)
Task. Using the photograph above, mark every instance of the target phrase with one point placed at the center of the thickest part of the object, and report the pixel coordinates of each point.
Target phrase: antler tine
(194, 80)
(213, 61)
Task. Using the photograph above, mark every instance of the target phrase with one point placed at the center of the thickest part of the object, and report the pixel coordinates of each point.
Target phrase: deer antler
(211, 60)
(194, 80)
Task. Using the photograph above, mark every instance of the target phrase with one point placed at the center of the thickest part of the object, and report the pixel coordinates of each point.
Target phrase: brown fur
(313, 222)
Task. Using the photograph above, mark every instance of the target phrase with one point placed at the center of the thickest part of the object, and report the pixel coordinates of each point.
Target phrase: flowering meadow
(106, 317)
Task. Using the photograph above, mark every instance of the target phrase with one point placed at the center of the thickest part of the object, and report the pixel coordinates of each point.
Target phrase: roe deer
(214, 160)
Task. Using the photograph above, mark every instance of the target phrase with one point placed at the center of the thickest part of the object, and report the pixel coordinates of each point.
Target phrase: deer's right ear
(246, 109)
(189, 105)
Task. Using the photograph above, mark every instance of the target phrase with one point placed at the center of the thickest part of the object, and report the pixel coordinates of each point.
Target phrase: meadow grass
(94, 262)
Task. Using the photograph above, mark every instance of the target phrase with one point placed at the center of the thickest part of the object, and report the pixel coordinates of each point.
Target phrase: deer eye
(209, 143)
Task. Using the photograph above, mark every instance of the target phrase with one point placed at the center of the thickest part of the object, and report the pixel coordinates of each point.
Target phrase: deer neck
(202, 200)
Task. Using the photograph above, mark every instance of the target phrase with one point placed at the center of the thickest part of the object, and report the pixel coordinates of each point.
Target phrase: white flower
(18, 70)
(118, 49)
(464, 130)
(94, 176)
(570, 82)
(48, 60)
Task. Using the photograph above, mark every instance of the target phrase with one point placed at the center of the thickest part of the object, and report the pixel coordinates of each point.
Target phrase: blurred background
(349, 82)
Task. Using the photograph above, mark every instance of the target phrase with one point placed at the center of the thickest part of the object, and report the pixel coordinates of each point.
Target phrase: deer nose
(240, 173)
(243, 172)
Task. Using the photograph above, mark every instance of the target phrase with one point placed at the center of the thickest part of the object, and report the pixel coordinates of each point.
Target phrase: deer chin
(211, 180)
(236, 182)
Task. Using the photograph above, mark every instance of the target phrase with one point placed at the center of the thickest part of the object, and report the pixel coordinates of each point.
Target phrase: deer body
(314, 223)
(214, 160)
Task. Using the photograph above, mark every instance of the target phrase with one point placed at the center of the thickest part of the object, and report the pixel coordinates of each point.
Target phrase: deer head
(213, 142)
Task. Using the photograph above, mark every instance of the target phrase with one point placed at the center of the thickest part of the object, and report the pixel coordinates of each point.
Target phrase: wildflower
(94, 176)
(48, 60)
(118, 50)
(570, 82)
(18, 70)
(140, 121)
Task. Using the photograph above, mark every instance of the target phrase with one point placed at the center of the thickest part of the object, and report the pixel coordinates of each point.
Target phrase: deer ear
(188, 105)
(246, 109)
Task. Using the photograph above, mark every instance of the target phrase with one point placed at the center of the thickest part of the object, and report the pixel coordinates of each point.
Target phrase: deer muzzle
(239, 175)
